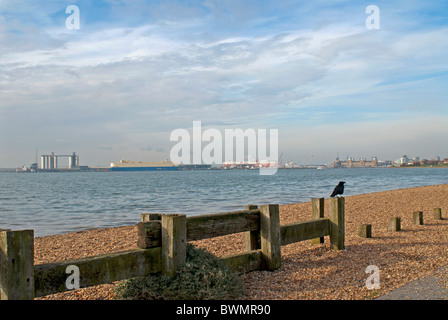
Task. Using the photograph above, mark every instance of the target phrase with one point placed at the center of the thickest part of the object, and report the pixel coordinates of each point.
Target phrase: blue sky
(136, 70)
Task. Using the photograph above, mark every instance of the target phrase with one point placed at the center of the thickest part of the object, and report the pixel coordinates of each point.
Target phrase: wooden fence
(162, 240)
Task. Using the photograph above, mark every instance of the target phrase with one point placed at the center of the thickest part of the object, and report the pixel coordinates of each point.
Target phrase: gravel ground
(308, 272)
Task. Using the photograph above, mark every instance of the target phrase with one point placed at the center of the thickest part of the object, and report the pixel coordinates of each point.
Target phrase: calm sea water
(55, 203)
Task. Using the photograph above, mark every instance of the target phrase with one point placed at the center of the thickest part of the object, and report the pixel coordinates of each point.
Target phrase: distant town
(403, 161)
(51, 163)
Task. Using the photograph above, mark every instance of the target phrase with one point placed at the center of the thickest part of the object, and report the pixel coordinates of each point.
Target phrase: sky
(136, 70)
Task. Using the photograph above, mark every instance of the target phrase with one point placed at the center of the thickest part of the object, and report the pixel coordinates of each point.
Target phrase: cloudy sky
(136, 70)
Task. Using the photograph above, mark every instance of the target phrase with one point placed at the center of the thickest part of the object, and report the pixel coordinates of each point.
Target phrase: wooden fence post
(174, 242)
(270, 237)
(317, 207)
(149, 234)
(17, 265)
(438, 213)
(337, 223)
(365, 231)
(418, 217)
(145, 217)
(251, 238)
(395, 224)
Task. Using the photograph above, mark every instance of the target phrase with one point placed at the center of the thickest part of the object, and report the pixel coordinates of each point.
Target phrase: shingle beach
(308, 272)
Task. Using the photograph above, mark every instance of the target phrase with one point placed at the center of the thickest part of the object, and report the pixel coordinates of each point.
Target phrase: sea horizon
(56, 203)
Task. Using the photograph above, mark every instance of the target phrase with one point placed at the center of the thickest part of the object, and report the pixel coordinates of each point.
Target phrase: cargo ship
(126, 165)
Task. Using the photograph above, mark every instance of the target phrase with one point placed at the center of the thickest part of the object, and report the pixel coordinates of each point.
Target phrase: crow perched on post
(339, 189)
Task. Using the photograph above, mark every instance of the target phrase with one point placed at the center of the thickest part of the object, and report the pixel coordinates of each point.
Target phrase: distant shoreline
(105, 170)
(425, 166)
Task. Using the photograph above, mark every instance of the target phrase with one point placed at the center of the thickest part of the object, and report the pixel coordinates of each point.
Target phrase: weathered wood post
(145, 217)
(270, 237)
(317, 212)
(365, 231)
(337, 223)
(174, 242)
(251, 238)
(418, 217)
(438, 213)
(17, 265)
(395, 224)
(149, 230)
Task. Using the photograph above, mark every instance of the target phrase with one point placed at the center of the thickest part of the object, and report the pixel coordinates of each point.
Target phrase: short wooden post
(418, 217)
(337, 223)
(395, 224)
(149, 230)
(317, 212)
(438, 213)
(17, 265)
(365, 231)
(145, 217)
(251, 238)
(149, 234)
(174, 242)
(270, 237)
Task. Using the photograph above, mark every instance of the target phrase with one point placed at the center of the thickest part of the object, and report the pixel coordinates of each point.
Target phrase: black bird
(339, 189)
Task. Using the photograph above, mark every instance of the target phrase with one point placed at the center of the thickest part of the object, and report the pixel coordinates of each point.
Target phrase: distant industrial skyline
(134, 71)
(50, 161)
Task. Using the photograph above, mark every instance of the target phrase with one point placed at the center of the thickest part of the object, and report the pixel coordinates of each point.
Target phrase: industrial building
(351, 163)
(50, 162)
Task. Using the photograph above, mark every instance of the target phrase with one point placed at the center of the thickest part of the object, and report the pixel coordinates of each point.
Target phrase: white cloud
(127, 85)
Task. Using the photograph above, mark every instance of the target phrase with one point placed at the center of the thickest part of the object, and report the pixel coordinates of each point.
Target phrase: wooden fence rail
(296, 232)
(162, 240)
